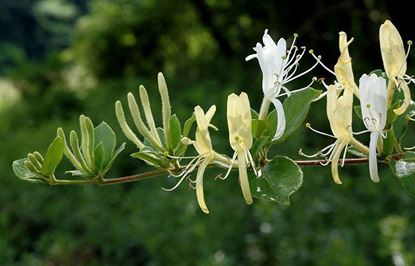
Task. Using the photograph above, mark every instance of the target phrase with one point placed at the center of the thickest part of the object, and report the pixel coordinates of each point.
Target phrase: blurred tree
(31, 28)
(201, 46)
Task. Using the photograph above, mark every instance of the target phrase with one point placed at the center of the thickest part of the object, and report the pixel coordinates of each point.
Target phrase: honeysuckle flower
(343, 70)
(203, 146)
(339, 113)
(240, 137)
(373, 104)
(394, 62)
(279, 67)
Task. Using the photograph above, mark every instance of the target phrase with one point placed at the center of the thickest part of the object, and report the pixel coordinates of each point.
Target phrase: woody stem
(150, 174)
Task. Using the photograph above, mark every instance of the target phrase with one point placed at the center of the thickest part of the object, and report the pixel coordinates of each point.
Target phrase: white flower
(279, 67)
(373, 103)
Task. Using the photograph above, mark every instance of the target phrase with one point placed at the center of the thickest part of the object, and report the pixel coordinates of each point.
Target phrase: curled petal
(373, 164)
(281, 119)
(335, 161)
(406, 100)
(243, 178)
(199, 187)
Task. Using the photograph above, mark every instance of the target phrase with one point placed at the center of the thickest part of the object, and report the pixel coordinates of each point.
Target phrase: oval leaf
(175, 131)
(53, 157)
(296, 109)
(104, 134)
(21, 171)
(280, 178)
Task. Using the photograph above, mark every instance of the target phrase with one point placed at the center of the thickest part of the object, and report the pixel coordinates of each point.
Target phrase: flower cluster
(375, 99)
(385, 105)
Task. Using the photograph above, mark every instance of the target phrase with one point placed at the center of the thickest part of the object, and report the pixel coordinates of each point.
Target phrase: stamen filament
(307, 125)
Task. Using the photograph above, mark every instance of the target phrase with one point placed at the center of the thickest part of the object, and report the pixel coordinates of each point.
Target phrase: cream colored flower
(394, 62)
(207, 155)
(343, 68)
(240, 137)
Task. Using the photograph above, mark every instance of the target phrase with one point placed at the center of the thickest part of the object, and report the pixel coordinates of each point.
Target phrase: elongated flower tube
(394, 62)
(339, 113)
(240, 137)
(343, 68)
(279, 67)
(203, 146)
(373, 95)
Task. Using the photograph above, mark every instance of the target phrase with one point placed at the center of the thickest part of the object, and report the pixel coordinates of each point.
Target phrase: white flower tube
(373, 101)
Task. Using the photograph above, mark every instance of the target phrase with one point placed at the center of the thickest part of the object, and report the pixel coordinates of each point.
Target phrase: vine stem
(154, 173)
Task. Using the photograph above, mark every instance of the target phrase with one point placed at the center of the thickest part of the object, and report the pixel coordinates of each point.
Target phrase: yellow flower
(393, 52)
(394, 62)
(339, 109)
(203, 146)
(339, 113)
(240, 137)
(207, 155)
(343, 68)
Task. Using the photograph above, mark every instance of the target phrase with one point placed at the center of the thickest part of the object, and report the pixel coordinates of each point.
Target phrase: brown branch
(150, 174)
(322, 162)
(132, 178)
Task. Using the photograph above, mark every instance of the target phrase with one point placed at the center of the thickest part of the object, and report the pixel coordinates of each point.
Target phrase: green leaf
(160, 131)
(404, 170)
(258, 145)
(254, 114)
(358, 111)
(114, 156)
(389, 142)
(188, 125)
(280, 178)
(147, 158)
(21, 171)
(400, 125)
(258, 127)
(271, 124)
(104, 134)
(99, 156)
(53, 157)
(175, 131)
(296, 109)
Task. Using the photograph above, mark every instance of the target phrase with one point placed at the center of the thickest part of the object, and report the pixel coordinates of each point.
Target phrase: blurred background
(62, 58)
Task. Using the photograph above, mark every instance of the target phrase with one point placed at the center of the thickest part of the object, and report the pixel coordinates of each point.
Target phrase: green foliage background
(66, 58)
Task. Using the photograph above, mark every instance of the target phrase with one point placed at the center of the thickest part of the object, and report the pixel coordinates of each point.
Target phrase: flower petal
(335, 161)
(373, 164)
(243, 178)
(343, 68)
(406, 100)
(281, 119)
(199, 186)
